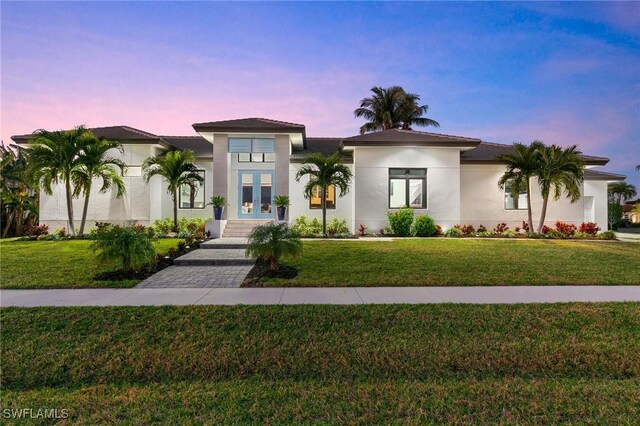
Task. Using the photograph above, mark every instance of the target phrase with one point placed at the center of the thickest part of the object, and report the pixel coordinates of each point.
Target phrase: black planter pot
(282, 212)
(217, 213)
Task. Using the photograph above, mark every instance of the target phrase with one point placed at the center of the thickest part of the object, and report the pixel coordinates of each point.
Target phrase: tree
(323, 172)
(392, 108)
(177, 168)
(621, 191)
(54, 157)
(96, 163)
(273, 240)
(521, 166)
(17, 194)
(129, 246)
(560, 169)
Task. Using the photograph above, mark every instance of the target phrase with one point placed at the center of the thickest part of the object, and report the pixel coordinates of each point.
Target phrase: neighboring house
(628, 214)
(451, 178)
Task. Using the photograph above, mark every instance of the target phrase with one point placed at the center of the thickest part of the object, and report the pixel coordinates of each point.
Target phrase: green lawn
(562, 363)
(57, 264)
(445, 262)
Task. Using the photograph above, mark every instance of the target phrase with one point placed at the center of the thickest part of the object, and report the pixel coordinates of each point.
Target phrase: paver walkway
(321, 296)
(217, 263)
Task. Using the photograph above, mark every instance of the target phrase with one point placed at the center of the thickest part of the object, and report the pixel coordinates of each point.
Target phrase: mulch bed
(262, 269)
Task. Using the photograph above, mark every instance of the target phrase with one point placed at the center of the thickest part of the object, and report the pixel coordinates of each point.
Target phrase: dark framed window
(518, 202)
(408, 188)
(315, 202)
(256, 157)
(192, 197)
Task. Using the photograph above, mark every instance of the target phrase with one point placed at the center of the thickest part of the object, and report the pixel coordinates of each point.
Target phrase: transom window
(192, 197)
(256, 157)
(514, 203)
(408, 188)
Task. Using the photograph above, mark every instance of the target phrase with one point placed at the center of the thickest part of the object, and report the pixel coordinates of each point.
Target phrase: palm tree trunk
(19, 221)
(8, 224)
(529, 212)
(175, 210)
(67, 185)
(324, 211)
(543, 214)
(84, 209)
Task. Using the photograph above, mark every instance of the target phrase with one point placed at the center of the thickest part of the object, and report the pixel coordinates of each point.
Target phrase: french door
(256, 191)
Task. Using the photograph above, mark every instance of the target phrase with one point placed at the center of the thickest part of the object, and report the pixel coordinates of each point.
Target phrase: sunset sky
(565, 73)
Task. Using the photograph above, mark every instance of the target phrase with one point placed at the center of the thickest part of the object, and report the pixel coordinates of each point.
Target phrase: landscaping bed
(453, 261)
(573, 363)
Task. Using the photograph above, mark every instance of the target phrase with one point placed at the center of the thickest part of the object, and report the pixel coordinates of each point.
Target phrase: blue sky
(562, 72)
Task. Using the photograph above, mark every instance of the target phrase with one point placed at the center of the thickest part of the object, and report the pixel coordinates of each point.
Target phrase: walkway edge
(319, 296)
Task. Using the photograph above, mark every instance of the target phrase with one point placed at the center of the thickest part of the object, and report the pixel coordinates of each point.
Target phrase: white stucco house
(249, 161)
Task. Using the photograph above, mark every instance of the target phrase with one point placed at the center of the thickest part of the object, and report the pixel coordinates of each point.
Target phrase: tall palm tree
(621, 191)
(177, 168)
(54, 157)
(521, 166)
(392, 108)
(560, 169)
(96, 163)
(324, 171)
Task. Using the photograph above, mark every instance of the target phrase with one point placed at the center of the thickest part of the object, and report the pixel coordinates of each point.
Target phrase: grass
(57, 264)
(447, 262)
(562, 363)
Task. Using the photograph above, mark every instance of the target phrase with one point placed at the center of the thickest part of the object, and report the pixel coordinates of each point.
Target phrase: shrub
(164, 226)
(36, 230)
(482, 228)
(273, 240)
(614, 216)
(552, 233)
(590, 228)
(423, 226)
(500, 228)
(453, 233)
(128, 247)
(438, 232)
(525, 226)
(546, 229)
(401, 221)
(468, 229)
(362, 230)
(61, 232)
(509, 233)
(566, 229)
(606, 235)
(336, 227)
(486, 234)
(581, 235)
(307, 228)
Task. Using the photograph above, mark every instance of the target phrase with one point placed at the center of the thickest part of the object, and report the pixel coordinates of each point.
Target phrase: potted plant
(218, 202)
(281, 202)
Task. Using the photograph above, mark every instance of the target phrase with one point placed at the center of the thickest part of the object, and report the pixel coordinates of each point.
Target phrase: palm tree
(324, 172)
(621, 191)
(17, 195)
(392, 108)
(561, 169)
(54, 157)
(97, 164)
(271, 241)
(177, 168)
(521, 166)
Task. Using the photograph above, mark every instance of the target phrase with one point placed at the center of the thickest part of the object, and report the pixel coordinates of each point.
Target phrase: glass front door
(255, 194)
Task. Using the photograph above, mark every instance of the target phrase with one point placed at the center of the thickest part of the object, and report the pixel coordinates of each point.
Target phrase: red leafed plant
(590, 228)
(467, 229)
(482, 228)
(525, 226)
(546, 229)
(567, 229)
(500, 228)
(438, 230)
(362, 230)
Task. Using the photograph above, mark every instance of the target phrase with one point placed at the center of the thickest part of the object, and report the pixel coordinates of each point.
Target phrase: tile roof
(119, 133)
(400, 137)
(590, 174)
(325, 146)
(249, 124)
(199, 145)
(487, 153)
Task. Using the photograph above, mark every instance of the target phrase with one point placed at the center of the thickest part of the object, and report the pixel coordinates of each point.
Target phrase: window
(408, 188)
(315, 202)
(514, 203)
(192, 197)
(256, 157)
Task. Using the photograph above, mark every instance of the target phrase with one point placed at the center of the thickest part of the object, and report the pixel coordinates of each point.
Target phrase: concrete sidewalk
(321, 296)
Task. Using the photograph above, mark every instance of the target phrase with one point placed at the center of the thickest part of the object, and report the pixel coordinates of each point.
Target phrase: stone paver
(197, 276)
(344, 296)
(214, 257)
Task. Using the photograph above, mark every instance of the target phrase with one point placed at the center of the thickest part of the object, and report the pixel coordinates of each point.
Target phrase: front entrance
(255, 192)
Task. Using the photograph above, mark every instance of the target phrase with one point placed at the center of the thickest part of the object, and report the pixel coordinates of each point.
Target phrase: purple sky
(562, 72)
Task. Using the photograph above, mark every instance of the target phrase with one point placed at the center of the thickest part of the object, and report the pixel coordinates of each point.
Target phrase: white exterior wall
(482, 201)
(598, 190)
(300, 205)
(371, 188)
